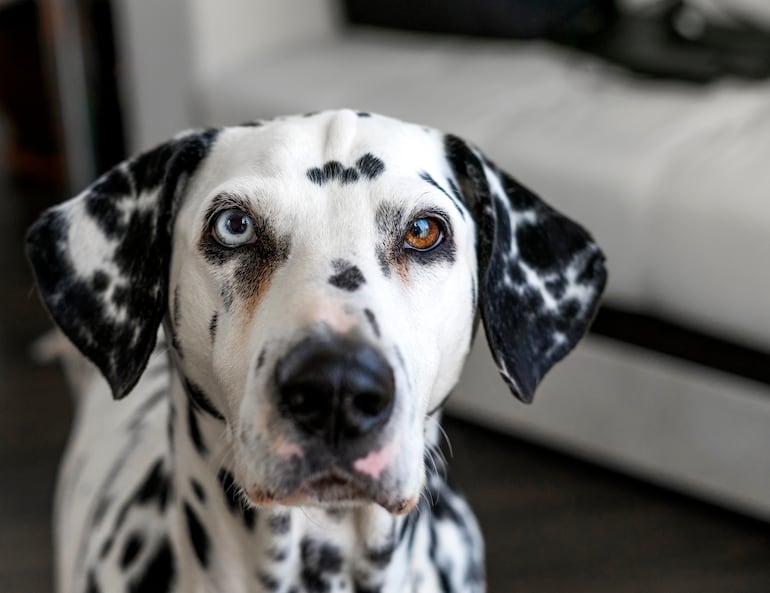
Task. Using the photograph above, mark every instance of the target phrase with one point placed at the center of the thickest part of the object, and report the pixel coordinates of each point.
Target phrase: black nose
(336, 388)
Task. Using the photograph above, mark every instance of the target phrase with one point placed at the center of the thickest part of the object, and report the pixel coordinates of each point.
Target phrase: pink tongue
(373, 464)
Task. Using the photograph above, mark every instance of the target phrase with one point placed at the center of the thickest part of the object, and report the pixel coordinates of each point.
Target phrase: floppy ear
(101, 259)
(540, 274)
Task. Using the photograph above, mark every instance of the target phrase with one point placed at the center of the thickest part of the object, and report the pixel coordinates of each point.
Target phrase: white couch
(673, 180)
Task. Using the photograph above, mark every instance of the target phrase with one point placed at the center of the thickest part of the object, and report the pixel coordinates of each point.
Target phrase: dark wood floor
(552, 524)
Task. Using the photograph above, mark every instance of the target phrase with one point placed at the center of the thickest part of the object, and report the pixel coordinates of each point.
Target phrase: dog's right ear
(101, 259)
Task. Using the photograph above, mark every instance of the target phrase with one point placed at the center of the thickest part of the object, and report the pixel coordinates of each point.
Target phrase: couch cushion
(672, 180)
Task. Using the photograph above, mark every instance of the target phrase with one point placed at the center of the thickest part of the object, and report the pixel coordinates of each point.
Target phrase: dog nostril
(371, 403)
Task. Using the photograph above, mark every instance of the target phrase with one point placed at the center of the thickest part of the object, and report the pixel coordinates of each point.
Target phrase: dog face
(319, 278)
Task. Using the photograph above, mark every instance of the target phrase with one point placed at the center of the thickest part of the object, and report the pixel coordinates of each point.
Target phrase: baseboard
(673, 422)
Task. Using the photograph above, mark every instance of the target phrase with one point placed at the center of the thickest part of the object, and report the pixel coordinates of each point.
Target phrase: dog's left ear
(101, 259)
(540, 274)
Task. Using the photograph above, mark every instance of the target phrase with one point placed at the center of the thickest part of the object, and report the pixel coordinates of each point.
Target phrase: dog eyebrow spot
(347, 276)
(370, 166)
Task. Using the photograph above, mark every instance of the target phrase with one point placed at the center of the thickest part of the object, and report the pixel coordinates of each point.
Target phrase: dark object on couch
(670, 40)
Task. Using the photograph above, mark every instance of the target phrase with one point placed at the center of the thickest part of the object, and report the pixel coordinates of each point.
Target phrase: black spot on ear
(557, 287)
(102, 206)
(200, 400)
(370, 166)
(100, 281)
(364, 114)
(372, 319)
(252, 124)
(195, 432)
(549, 243)
(131, 549)
(198, 536)
(213, 327)
(159, 573)
(310, 114)
(346, 276)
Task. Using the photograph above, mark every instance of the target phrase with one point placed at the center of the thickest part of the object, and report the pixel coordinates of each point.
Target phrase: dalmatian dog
(285, 306)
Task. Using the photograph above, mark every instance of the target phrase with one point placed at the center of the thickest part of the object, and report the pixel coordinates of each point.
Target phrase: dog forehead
(287, 148)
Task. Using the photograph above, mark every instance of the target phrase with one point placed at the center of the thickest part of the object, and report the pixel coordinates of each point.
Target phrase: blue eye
(233, 228)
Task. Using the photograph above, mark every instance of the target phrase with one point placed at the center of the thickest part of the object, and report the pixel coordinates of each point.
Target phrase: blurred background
(644, 463)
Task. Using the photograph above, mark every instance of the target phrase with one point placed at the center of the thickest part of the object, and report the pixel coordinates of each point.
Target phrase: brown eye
(423, 234)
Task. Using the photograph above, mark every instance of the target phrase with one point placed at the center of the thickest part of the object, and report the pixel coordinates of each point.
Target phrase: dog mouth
(331, 488)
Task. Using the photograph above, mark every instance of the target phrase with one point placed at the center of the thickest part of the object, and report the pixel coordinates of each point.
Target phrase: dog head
(320, 279)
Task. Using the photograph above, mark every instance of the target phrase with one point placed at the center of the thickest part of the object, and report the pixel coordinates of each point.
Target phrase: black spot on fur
(195, 432)
(319, 562)
(213, 327)
(381, 557)
(200, 493)
(316, 175)
(346, 276)
(372, 319)
(155, 487)
(159, 573)
(278, 554)
(106, 547)
(333, 170)
(280, 523)
(268, 581)
(364, 114)
(425, 176)
(198, 536)
(349, 176)
(131, 549)
(557, 287)
(230, 490)
(101, 204)
(176, 317)
(100, 281)
(91, 585)
(370, 166)
(234, 502)
(201, 401)
(261, 358)
(252, 124)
